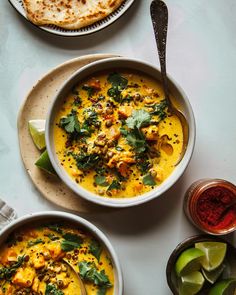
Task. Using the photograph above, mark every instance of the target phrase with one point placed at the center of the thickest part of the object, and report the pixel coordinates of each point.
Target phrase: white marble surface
(201, 57)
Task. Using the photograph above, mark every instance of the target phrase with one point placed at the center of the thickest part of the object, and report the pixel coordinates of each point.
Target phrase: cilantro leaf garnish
(53, 290)
(91, 118)
(101, 180)
(71, 242)
(117, 80)
(70, 123)
(160, 109)
(35, 242)
(7, 272)
(119, 83)
(149, 180)
(55, 227)
(86, 161)
(90, 90)
(89, 272)
(142, 162)
(95, 248)
(138, 119)
(137, 141)
(114, 185)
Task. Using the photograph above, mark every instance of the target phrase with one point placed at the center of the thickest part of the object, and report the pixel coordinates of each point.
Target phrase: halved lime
(189, 261)
(44, 163)
(212, 276)
(224, 287)
(214, 254)
(37, 131)
(191, 284)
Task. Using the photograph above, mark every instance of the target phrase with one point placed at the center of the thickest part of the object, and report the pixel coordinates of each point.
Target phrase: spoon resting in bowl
(76, 276)
(159, 15)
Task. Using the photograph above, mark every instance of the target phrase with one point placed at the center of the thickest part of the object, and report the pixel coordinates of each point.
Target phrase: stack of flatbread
(69, 14)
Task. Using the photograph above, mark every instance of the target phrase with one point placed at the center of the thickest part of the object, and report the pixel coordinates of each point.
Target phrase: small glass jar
(210, 204)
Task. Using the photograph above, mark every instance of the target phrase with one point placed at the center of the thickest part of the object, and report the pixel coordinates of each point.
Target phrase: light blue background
(201, 58)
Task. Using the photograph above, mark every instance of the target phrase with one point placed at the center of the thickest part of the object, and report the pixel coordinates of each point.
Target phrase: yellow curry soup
(32, 261)
(114, 136)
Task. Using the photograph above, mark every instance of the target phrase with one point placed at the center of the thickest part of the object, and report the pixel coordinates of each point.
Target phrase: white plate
(18, 5)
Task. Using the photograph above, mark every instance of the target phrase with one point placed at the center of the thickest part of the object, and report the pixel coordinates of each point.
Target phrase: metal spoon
(81, 284)
(159, 15)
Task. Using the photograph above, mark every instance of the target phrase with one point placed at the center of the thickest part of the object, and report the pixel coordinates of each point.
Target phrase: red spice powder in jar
(216, 207)
(210, 204)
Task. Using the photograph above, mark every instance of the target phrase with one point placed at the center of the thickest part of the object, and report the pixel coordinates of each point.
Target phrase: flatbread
(69, 14)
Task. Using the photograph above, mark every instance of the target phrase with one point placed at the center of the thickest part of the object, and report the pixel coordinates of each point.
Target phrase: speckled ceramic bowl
(230, 259)
(57, 216)
(130, 64)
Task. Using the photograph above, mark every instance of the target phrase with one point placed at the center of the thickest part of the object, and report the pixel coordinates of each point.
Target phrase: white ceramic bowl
(58, 216)
(111, 64)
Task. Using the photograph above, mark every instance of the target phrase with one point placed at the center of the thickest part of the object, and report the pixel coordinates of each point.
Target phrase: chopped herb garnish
(77, 101)
(35, 242)
(127, 98)
(91, 118)
(149, 180)
(52, 237)
(139, 118)
(117, 80)
(118, 84)
(115, 93)
(71, 242)
(89, 272)
(85, 161)
(114, 185)
(53, 290)
(7, 272)
(95, 248)
(55, 227)
(101, 180)
(137, 140)
(143, 162)
(160, 109)
(90, 90)
(70, 123)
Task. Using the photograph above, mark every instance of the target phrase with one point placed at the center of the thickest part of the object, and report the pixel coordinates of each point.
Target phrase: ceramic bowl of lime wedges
(202, 265)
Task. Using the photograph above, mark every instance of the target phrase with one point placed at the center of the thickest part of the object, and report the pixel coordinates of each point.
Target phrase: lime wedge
(189, 261)
(224, 287)
(37, 131)
(44, 163)
(212, 276)
(214, 254)
(191, 284)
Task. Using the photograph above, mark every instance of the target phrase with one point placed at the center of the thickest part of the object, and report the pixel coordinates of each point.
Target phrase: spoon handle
(159, 15)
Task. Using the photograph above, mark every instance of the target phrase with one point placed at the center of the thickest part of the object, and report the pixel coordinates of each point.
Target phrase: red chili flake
(216, 208)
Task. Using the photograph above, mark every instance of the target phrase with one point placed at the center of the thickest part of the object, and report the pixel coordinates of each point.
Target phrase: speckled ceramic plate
(36, 106)
(18, 5)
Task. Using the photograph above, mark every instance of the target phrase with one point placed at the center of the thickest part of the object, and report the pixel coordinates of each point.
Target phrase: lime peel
(44, 163)
(224, 287)
(212, 276)
(189, 261)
